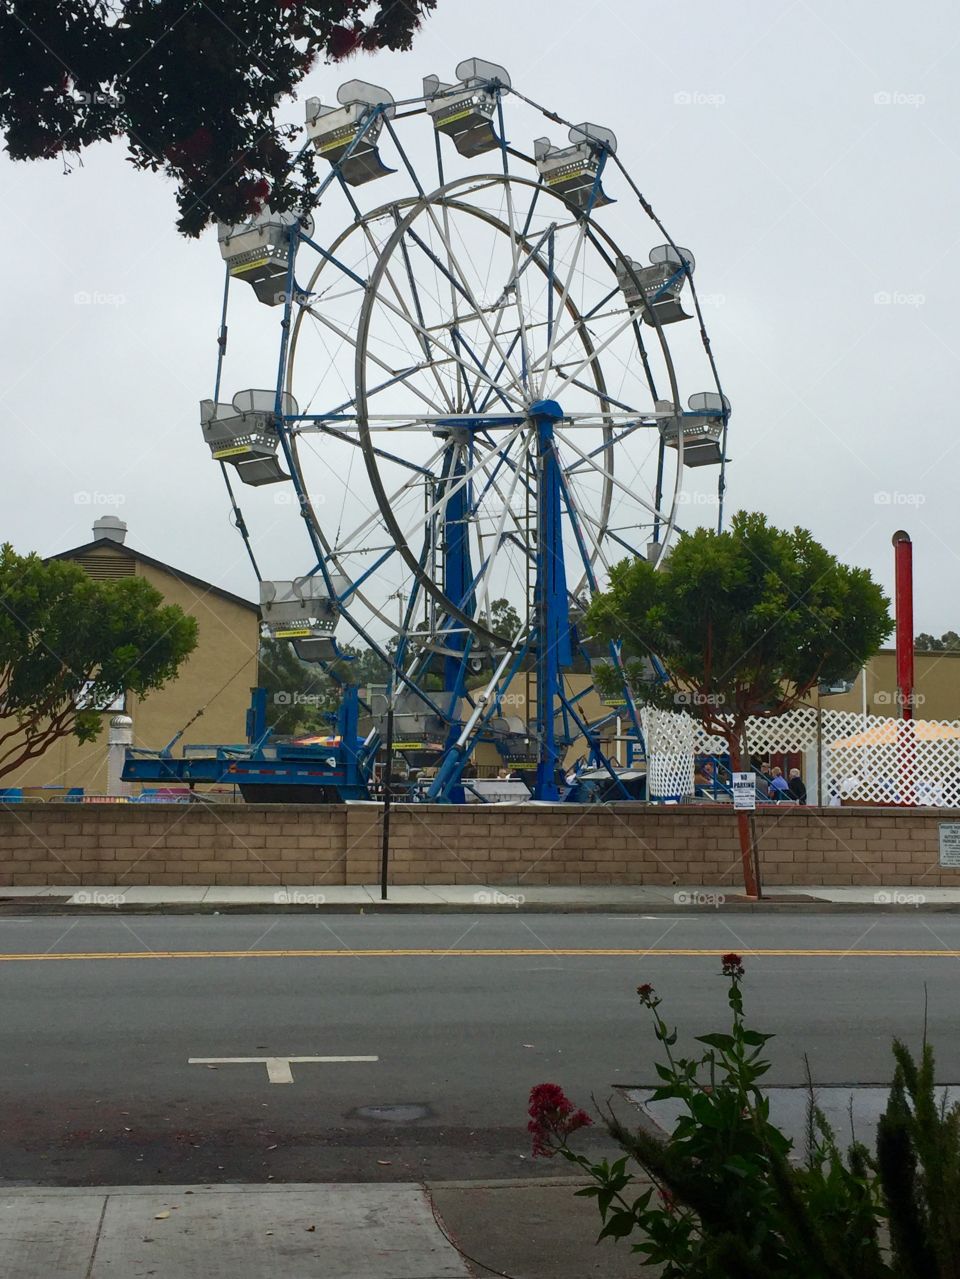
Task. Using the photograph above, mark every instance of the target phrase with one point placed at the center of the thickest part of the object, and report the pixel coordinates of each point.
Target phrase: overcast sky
(808, 154)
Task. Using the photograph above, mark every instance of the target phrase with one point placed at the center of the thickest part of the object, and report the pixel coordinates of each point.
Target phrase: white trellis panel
(872, 760)
(669, 740)
(891, 761)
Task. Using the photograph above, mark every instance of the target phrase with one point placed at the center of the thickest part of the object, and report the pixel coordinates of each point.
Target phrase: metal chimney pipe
(903, 562)
(119, 737)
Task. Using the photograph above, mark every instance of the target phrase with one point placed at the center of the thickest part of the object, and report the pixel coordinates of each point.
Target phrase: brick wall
(63, 844)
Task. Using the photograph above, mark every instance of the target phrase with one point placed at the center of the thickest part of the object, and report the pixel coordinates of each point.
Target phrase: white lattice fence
(669, 739)
(891, 761)
(794, 731)
(872, 760)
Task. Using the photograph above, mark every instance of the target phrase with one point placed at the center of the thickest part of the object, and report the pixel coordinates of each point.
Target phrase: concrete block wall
(118, 844)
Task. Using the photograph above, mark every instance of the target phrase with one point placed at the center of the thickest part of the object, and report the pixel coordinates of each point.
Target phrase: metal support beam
(552, 608)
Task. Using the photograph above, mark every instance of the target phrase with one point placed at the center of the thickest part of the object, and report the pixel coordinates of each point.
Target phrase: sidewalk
(470, 898)
(233, 1232)
(529, 1230)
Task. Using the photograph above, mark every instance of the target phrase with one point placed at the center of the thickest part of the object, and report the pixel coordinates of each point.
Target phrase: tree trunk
(748, 858)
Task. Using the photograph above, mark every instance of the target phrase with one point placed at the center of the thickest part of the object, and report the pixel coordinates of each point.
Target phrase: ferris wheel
(479, 407)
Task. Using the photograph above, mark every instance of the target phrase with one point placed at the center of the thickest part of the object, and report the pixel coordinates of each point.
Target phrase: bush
(724, 1194)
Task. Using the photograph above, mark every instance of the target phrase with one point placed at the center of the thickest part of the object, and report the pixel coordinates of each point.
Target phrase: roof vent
(110, 527)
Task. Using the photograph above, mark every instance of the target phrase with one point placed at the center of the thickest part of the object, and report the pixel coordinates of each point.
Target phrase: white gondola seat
(660, 284)
(572, 171)
(244, 433)
(305, 611)
(258, 251)
(334, 129)
(464, 111)
(702, 427)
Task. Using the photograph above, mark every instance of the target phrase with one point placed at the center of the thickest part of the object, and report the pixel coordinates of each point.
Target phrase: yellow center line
(593, 952)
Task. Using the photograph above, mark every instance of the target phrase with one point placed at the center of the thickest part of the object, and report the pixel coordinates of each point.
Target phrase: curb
(49, 906)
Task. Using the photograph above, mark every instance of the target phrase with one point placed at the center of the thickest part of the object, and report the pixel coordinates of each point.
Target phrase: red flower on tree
(553, 1117)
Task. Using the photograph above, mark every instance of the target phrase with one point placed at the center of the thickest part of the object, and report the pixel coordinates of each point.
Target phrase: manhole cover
(402, 1114)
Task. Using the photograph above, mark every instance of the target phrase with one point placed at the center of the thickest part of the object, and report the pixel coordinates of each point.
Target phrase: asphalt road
(94, 1052)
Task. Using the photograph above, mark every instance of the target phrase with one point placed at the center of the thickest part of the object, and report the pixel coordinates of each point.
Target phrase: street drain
(403, 1114)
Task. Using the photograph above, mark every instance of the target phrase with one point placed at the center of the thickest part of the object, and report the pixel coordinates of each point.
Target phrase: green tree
(504, 620)
(926, 643)
(746, 623)
(297, 693)
(193, 88)
(302, 695)
(69, 645)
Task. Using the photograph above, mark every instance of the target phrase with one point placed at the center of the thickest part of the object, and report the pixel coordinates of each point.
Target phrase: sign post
(744, 791)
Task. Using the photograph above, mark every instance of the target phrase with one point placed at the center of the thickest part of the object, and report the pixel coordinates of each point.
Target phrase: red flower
(732, 965)
(668, 1199)
(552, 1119)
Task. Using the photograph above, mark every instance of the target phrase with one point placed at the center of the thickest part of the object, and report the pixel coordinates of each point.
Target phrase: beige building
(936, 687)
(215, 679)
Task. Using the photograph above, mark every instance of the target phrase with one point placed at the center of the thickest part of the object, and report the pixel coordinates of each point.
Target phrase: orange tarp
(888, 733)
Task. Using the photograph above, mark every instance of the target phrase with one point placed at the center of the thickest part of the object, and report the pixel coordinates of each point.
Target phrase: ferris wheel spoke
(501, 457)
(608, 445)
(607, 475)
(448, 351)
(464, 286)
(597, 351)
(344, 543)
(514, 286)
(564, 294)
(483, 588)
(374, 359)
(464, 478)
(401, 302)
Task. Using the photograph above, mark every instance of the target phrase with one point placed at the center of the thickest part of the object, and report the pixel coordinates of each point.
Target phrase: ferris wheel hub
(545, 410)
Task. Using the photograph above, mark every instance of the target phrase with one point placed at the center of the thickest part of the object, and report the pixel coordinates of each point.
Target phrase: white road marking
(278, 1068)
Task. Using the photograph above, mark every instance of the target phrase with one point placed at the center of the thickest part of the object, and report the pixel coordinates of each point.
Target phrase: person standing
(797, 788)
(779, 789)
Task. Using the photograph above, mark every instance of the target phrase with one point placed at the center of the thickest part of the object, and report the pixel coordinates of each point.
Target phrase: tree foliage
(949, 642)
(746, 622)
(69, 645)
(194, 89)
(302, 696)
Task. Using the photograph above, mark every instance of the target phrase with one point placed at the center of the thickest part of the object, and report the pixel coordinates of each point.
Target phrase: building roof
(122, 548)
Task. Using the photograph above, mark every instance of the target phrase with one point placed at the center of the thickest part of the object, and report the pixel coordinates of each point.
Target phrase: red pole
(903, 553)
(906, 742)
